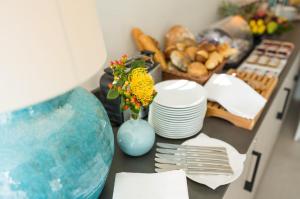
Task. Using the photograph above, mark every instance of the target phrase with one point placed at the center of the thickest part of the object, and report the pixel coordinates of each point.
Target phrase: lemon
(255, 30)
(252, 23)
(260, 22)
(261, 30)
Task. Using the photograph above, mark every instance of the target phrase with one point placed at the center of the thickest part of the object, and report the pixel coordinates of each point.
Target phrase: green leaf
(112, 94)
(122, 103)
(138, 63)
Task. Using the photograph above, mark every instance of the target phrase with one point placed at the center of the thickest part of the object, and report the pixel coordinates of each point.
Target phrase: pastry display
(270, 53)
(183, 57)
(146, 42)
(209, 54)
(232, 30)
(269, 57)
(188, 59)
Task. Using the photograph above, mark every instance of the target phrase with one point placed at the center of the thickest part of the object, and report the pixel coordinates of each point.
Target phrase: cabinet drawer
(236, 189)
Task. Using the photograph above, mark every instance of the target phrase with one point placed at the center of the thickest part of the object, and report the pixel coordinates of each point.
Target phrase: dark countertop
(213, 127)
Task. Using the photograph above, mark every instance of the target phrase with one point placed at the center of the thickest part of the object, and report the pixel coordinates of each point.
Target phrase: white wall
(154, 17)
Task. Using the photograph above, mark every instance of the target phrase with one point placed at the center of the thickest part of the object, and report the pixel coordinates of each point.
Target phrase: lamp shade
(46, 49)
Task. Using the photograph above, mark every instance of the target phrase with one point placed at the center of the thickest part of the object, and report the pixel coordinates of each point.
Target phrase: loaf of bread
(136, 33)
(178, 34)
(148, 44)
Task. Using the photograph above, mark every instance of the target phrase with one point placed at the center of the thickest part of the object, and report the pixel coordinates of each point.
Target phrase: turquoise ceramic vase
(136, 137)
(62, 148)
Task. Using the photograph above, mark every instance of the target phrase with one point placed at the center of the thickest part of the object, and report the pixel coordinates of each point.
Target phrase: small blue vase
(61, 149)
(136, 137)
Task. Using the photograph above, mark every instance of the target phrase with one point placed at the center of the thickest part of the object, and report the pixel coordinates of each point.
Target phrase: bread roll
(179, 60)
(211, 64)
(190, 52)
(201, 56)
(197, 69)
(216, 56)
(225, 50)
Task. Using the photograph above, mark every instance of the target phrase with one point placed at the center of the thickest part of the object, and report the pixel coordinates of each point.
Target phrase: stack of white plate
(179, 109)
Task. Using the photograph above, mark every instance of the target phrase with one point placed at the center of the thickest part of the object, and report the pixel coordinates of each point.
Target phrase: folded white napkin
(167, 185)
(234, 95)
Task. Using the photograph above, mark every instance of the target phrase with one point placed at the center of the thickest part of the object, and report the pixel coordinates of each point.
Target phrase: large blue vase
(60, 149)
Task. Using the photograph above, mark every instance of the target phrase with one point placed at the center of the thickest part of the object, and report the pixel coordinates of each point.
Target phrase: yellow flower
(141, 85)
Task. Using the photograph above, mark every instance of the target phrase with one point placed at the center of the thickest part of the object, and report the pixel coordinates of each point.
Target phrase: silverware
(192, 163)
(194, 172)
(182, 157)
(193, 153)
(193, 168)
(189, 147)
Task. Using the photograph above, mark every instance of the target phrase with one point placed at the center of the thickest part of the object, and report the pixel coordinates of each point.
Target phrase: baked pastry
(211, 63)
(263, 60)
(148, 44)
(274, 62)
(216, 56)
(177, 34)
(201, 56)
(179, 60)
(190, 52)
(209, 47)
(197, 69)
(225, 50)
(252, 59)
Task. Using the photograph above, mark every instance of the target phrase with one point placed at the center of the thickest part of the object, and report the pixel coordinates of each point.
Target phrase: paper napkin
(166, 185)
(234, 95)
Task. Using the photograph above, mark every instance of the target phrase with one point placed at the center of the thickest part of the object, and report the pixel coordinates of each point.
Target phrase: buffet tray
(263, 84)
(176, 74)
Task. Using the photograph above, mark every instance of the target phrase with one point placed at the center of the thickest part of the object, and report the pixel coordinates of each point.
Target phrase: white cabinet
(260, 150)
(236, 189)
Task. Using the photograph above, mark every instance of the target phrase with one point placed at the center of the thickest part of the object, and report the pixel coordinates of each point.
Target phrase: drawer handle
(250, 184)
(281, 114)
(296, 78)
